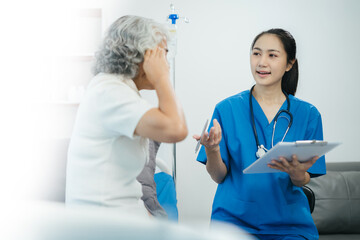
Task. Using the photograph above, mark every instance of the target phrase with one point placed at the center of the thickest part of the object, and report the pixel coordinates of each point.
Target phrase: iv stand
(172, 44)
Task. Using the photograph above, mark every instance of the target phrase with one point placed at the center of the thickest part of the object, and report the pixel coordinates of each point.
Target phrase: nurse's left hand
(212, 139)
(296, 170)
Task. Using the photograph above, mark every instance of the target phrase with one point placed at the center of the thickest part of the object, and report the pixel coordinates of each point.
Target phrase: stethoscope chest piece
(261, 151)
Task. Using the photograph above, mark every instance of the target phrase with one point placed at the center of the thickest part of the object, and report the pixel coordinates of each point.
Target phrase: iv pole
(172, 45)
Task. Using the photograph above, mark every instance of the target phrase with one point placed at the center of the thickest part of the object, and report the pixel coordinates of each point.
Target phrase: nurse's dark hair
(290, 79)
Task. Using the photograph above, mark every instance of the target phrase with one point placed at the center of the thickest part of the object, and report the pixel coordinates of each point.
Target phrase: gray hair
(125, 43)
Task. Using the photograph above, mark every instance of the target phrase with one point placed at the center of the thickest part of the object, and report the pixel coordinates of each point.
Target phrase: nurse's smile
(263, 74)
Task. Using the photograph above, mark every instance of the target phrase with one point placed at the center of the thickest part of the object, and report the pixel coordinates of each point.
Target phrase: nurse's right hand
(212, 139)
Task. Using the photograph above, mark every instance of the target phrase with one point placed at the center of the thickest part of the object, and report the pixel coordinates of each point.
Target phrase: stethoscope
(261, 149)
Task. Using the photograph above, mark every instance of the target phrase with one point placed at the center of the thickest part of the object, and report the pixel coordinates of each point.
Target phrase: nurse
(268, 205)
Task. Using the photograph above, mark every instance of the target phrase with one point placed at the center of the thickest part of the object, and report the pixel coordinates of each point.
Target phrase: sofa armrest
(337, 208)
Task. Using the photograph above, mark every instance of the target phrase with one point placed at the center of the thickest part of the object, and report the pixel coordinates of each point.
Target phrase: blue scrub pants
(279, 237)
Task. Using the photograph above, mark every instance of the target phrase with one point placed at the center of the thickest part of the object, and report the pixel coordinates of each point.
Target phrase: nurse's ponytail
(290, 79)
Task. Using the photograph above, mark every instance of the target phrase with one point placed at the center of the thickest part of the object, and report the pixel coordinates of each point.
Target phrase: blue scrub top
(267, 203)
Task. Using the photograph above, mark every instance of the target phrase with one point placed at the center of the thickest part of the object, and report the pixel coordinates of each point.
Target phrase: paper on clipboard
(305, 150)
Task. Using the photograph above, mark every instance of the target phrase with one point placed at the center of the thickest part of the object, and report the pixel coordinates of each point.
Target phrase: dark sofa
(337, 201)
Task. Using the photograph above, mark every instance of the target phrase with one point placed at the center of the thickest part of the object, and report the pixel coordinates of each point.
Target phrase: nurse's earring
(261, 151)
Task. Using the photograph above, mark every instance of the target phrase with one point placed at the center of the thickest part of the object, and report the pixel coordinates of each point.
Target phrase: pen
(201, 136)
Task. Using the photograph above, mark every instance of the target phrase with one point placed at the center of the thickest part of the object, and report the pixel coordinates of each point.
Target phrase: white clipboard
(305, 151)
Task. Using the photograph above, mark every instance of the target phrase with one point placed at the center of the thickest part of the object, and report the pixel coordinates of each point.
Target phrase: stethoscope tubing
(287, 111)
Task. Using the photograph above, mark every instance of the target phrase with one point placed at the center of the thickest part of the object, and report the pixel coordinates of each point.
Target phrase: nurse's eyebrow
(269, 50)
(273, 50)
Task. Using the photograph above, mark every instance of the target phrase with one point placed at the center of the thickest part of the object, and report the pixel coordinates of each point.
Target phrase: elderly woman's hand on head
(155, 65)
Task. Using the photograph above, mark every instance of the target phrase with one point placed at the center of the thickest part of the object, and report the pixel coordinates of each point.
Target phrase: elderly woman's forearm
(170, 107)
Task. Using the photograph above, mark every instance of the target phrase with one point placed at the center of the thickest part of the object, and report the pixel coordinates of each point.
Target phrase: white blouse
(105, 156)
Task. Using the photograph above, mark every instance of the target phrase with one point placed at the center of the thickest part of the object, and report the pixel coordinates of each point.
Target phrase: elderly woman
(109, 144)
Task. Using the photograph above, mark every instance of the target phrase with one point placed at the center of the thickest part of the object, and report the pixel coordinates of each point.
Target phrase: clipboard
(305, 151)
